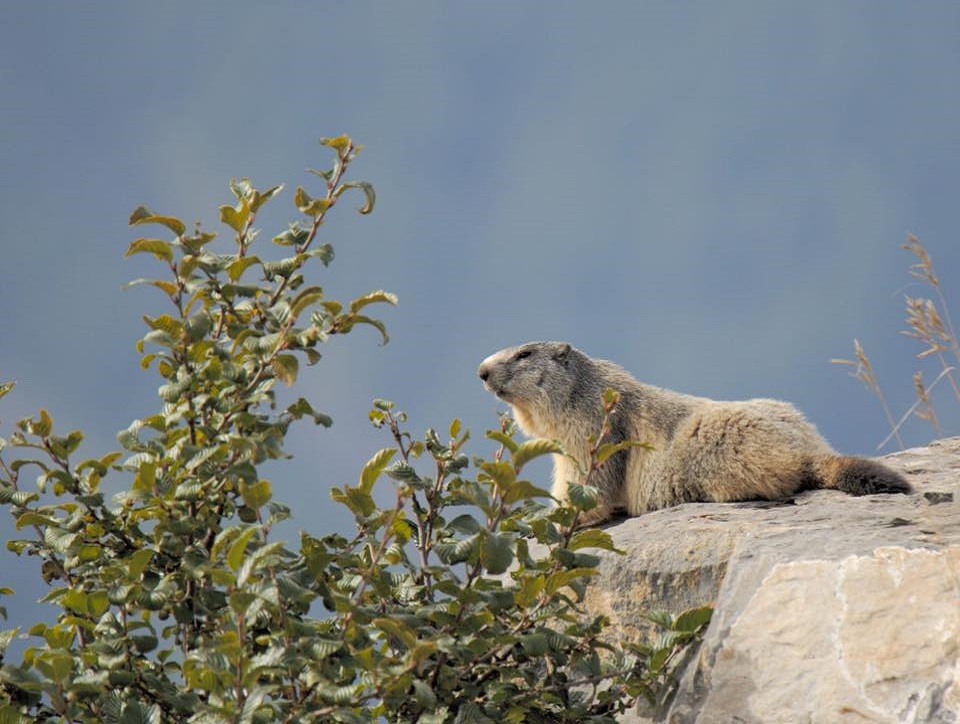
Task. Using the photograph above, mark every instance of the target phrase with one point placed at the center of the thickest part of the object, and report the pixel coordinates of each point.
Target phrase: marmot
(703, 450)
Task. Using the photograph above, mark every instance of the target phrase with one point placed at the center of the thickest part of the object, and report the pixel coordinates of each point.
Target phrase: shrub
(460, 602)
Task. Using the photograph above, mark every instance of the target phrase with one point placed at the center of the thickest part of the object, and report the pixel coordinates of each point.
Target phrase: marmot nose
(484, 373)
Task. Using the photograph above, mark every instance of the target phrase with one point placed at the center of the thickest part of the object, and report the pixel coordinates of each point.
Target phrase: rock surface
(828, 608)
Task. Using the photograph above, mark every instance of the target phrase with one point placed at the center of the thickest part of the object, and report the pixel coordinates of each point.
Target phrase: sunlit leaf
(371, 298)
(158, 247)
(592, 538)
(257, 494)
(560, 579)
(143, 215)
(238, 549)
(532, 449)
(236, 217)
(374, 466)
(504, 439)
(286, 367)
(609, 448)
(167, 287)
(340, 143)
(261, 197)
(524, 490)
(239, 265)
(501, 472)
(304, 299)
(309, 205)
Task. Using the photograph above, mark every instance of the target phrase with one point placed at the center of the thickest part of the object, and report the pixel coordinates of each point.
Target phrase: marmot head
(534, 378)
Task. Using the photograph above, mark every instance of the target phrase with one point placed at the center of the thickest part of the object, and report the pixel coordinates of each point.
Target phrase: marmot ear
(562, 352)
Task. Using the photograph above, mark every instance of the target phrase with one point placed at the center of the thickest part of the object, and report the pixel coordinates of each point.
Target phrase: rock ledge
(829, 609)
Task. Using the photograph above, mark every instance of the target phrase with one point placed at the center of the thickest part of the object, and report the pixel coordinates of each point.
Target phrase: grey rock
(828, 608)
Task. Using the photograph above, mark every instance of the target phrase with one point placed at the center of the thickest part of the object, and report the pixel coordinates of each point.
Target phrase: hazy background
(712, 194)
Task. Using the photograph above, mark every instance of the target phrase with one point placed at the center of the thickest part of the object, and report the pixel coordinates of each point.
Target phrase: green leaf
(257, 494)
(693, 619)
(236, 217)
(663, 619)
(97, 603)
(592, 538)
(238, 549)
(375, 465)
(378, 296)
(361, 319)
(41, 427)
(301, 407)
(308, 205)
(529, 590)
(168, 288)
(293, 236)
(584, 497)
(55, 665)
(556, 581)
(458, 551)
(6, 387)
(304, 299)
(262, 197)
(286, 367)
(196, 242)
(340, 143)
(368, 192)
(502, 473)
(465, 523)
(425, 696)
(496, 553)
(504, 439)
(137, 563)
(397, 629)
(610, 448)
(403, 472)
(32, 518)
(143, 215)
(470, 713)
(358, 501)
(238, 266)
(531, 449)
(146, 477)
(524, 490)
(158, 247)
(324, 253)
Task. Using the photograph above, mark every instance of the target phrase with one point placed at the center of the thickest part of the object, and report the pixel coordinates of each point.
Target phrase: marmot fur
(703, 450)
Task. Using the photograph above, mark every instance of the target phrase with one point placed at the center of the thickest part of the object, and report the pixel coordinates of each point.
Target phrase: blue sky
(712, 194)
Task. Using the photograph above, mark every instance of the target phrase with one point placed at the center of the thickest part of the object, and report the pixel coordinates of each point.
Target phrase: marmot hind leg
(758, 450)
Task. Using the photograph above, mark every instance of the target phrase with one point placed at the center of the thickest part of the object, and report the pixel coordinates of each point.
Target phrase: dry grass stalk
(929, 323)
(926, 412)
(863, 371)
(924, 270)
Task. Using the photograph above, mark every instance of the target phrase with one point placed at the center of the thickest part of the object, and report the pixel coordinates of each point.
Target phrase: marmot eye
(523, 354)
